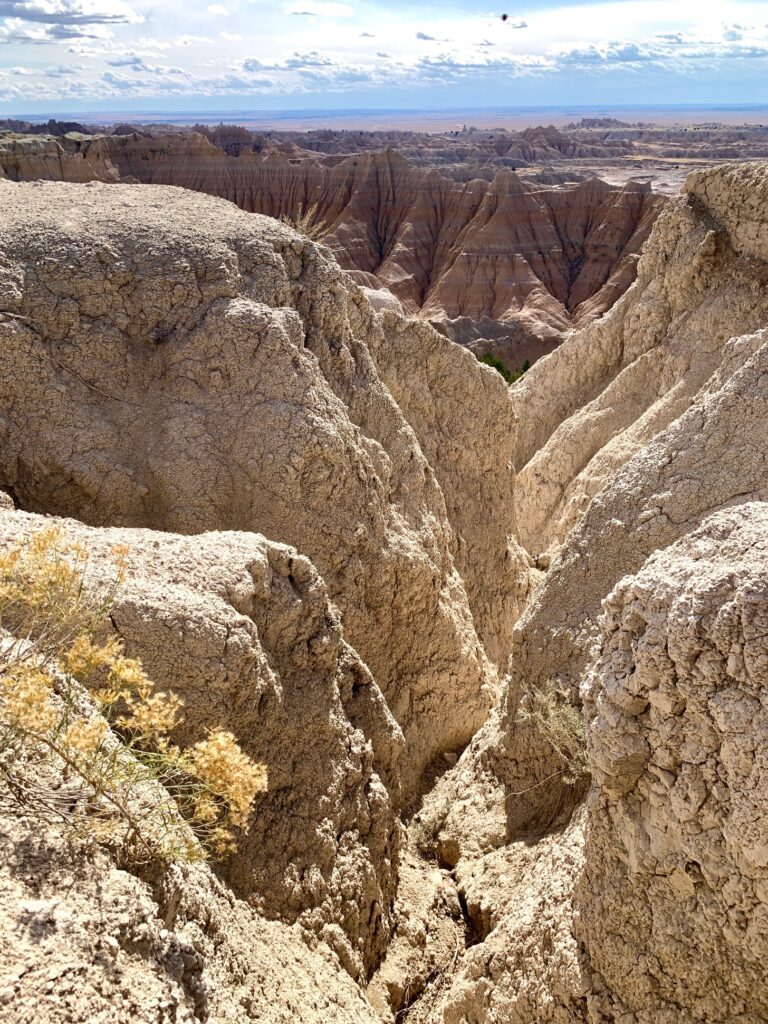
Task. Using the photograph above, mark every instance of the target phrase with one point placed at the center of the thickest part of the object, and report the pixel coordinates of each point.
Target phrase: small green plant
(116, 772)
(303, 220)
(510, 376)
(518, 373)
(561, 723)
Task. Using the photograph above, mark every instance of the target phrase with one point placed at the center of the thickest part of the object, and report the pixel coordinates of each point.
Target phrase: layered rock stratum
(506, 266)
(360, 551)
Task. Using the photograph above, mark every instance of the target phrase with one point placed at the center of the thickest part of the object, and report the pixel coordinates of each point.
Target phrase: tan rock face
(73, 158)
(670, 426)
(528, 260)
(464, 418)
(98, 940)
(242, 629)
(673, 899)
(524, 963)
(647, 404)
(172, 362)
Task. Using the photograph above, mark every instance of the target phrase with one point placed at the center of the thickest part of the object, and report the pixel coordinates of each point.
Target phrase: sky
(70, 55)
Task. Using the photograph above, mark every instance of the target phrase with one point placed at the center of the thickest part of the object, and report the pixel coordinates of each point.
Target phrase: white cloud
(71, 12)
(321, 46)
(320, 9)
(128, 60)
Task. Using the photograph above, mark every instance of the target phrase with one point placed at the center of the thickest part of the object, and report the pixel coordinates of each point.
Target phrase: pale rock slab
(674, 899)
(243, 631)
(201, 368)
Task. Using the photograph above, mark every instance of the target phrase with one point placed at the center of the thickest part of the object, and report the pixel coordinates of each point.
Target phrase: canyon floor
(503, 649)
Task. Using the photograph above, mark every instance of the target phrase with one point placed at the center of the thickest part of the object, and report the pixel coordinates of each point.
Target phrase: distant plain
(426, 120)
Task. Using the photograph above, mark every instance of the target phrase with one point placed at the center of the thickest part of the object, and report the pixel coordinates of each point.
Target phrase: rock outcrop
(673, 900)
(464, 417)
(171, 362)
(96, 937)
(77, 158)
(242, 629)
(201, 369)
(668, 424)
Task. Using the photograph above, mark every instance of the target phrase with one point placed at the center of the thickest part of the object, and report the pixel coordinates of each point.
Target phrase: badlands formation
(504, 265)
(357, 549)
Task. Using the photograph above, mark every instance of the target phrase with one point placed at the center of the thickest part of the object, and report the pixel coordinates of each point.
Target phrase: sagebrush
(561, 723)
(115, 774)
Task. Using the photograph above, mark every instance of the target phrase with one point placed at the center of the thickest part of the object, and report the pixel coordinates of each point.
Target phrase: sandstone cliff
(207, 369)
(668, 424)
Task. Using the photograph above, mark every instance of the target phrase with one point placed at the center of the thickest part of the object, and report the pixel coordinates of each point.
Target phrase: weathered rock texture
(73, 158)
(171, 362)
(243, 631)
(466, 424)
(674, 899)
(650, 905)
(655, 411)
(654, 418)
(86, 938)
(505, 260)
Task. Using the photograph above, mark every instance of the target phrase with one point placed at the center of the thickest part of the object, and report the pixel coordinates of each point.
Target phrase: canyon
(504, 241)
(505, 266)
(398, 581)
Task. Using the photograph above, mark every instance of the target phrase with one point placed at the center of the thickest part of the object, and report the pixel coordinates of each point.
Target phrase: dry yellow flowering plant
(117, 773)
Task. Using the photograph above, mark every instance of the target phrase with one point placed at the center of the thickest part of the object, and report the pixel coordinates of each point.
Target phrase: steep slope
(75, 158)
(536, 260)
(677, 704)
(651, 401)
(674, 412)
(243, 630)
(507, 261)
(171, 362)
(464, 417)
(97, 936)
(649, 904)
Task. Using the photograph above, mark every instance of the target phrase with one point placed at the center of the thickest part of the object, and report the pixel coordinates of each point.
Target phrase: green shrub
(561, 723)
(510, 376)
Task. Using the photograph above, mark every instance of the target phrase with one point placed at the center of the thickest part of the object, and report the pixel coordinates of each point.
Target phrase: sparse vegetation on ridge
(510, 376)
(123, 778)
(304, 222)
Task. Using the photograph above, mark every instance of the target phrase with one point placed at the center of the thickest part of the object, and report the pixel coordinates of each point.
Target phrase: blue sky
(69, 55)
